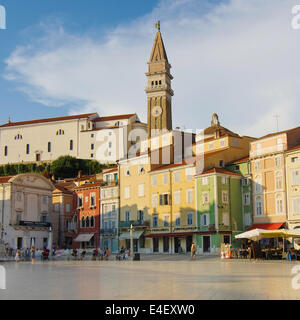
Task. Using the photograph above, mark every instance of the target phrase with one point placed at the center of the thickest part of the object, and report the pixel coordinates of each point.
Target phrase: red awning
(174, 234)
(267, 226)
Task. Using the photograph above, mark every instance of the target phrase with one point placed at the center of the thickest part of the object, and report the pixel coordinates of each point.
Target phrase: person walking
(17, 257)
(32, 251)
(193, 251)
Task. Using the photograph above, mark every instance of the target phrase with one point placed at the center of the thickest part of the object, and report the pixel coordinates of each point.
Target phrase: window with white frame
(154, 181)
(296, 205)
(247, 220)
(177, 220)
(189, 173)
(258, 184)
(279, 204)
(246, 199)
(154, 201)
(277, 162)
(278, 180)
(257, 165)
(189, 195)
(296, 177)
(245, 182)
(224, 180)
(80, 201)
(177, 177)
(225, 218)
(127, 216)
(166, 220)
(164, 199)
(294, 159)
(205, 197)
(259, 206)
(205, 181)
(127, 192)
(165, 178)
(224, 196)
(190, 219)
(222, 143)
(205, 220)
(177, 197)
(141, 190)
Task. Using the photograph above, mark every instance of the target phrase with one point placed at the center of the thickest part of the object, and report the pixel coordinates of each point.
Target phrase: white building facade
(87, 136)
(26, 211)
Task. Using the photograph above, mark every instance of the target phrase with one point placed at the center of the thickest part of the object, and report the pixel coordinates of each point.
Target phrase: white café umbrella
(255, 235)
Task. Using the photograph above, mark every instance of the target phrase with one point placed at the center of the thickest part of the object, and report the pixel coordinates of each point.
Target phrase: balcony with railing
(109, 231)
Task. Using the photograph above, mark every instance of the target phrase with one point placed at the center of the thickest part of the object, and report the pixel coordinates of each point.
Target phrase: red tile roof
(220, 170)
(117, 117)
(21, 123)
(62, 189)
(245, 159)
(111, 170)
(294, 148)
(5, 179)
(267, 226)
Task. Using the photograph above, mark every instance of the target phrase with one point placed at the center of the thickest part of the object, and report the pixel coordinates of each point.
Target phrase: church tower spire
(159, 91)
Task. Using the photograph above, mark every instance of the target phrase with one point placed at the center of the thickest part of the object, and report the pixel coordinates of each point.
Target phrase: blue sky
(238, 58)
(93, 16)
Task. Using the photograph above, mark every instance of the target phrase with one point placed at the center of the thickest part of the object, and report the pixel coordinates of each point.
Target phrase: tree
(65, 167)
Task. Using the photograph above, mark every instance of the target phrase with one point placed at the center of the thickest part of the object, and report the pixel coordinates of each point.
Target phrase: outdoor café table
(244, 253)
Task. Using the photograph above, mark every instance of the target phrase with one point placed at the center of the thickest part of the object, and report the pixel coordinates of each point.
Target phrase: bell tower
(159, 91)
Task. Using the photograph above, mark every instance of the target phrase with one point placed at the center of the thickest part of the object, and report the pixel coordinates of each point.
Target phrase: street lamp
(50, 241)
(131, 239)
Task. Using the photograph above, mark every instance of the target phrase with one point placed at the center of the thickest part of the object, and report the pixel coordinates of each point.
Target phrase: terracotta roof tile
(21, 123)
(5, 179)
(117, 117)
(220, 170)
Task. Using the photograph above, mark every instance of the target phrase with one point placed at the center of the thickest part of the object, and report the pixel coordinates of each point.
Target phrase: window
(45, 200)
(177, 220)
(278, 162)
(224, 180)
(141, 190)
(177, 177)
(279, 145)
(205, 181)
(165, 178)
(279, 204)
(296, 205)
(205, 197)
(154, 181)
(127, 172)
(155, 221)
(224, 196)
(141, 216)
(166, 220)
(68, 208)
(164, 199)
(27, 149)
(221, 164)
(19, 196)
(257, 165)
(189, 196)
(93, 200)
(80, 201)
(154, 200)
(49, 146)
(177, 197)
(248, 219)
(259, 206)
(258, 184)
(246, 199)
(205, 220)
(235, 143)
(127, 192)
(5, 151)
(92, 135)
(222, 143)
(56, 207)
(225, 219)
(189, 173)
(190, 218)
(110, 145)
(278, 180)
(211, 146)
(296, 177)
(295, 159)
(92, 146)
(245, 182)
(87, 222)
(127, 216)
(92, 155)
(71, 145)
(60, 132)
(92, 222)
(82, 222)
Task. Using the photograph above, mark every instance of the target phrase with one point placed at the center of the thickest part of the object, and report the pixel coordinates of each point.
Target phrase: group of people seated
(96, 255)
(123, 254)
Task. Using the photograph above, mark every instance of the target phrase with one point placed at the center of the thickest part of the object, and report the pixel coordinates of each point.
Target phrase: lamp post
(50, 241)
(131, 240)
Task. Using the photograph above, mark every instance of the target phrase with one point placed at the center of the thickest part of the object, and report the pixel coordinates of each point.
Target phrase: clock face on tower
(157, 111)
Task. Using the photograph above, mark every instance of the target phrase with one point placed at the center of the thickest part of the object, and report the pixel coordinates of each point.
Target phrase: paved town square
(154, 278)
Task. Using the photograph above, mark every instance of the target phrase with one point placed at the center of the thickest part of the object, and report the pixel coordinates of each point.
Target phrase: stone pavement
(155, 277)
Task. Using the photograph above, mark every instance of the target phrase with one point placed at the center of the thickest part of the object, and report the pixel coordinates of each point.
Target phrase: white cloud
(239, 59)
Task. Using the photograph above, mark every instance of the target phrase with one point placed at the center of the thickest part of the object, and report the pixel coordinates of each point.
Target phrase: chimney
(79, 174)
